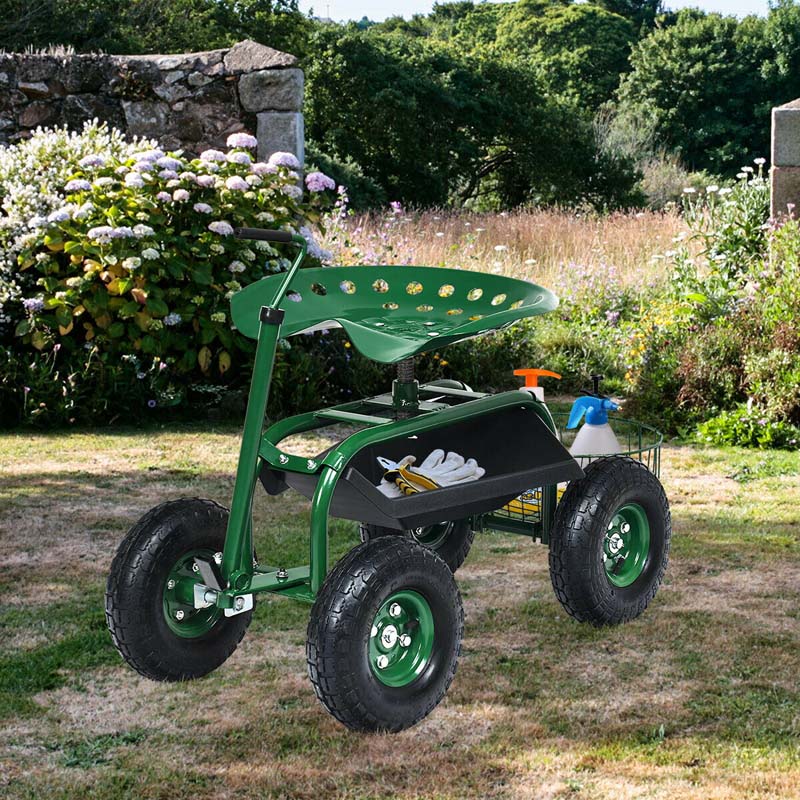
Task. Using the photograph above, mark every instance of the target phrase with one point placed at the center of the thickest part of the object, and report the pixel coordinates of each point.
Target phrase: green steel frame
(240, 576)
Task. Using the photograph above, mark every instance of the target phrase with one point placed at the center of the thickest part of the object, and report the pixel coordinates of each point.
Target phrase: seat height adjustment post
(405, 390)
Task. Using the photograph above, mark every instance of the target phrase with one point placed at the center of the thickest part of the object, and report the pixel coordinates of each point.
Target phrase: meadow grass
(696, 699)
(537, 245)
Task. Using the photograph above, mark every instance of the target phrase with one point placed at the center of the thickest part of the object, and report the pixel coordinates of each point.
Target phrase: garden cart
(387, 620)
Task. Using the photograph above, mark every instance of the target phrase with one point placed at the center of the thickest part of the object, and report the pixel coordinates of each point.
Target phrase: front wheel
(385, 635)
(610, 542)
(149, 596)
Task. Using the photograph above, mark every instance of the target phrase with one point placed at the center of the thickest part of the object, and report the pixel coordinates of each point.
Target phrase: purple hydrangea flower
(61, 215)
(237, 184)
(238, 157)
(149, 155)
(212, 155)
(187, 176)
(203, 208)
(164, 197)
(180, 195)
(37, 222)
(134, 179)
(167, 162)
(172, 319)
(168, 174)
(221, 227)
(143, 166)
(93, 160)
(123, 232)
(260, 168)
(295, 192)
(282, 159)
(206, 181)
(242, 140)
(33, 304)
(319, 182)
(102, 233)
(78, 185)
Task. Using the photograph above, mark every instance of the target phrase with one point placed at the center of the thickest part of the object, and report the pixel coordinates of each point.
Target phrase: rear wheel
(451, 541)
(385, 635)
(150, 607)
(610, 542)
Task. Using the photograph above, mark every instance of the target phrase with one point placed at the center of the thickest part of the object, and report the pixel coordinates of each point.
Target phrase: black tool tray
(517, 450)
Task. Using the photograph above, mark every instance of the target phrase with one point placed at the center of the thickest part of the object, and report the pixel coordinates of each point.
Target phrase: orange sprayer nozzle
(532, 376)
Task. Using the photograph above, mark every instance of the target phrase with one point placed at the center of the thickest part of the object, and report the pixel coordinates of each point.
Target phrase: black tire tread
(580, 589)
(332, 621)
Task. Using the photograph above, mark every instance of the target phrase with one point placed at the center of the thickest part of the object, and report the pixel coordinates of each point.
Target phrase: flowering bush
(132, 268)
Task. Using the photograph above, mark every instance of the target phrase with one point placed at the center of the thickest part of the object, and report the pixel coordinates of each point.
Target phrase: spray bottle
(595, 438)
(532, 381)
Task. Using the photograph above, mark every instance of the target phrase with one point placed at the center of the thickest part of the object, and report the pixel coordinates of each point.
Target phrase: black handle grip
(262, 234)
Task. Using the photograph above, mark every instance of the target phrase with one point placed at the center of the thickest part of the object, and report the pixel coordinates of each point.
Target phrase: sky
(380, 9)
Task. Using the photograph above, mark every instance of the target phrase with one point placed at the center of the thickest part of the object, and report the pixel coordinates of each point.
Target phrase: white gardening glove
(445, 471)
(389, 487)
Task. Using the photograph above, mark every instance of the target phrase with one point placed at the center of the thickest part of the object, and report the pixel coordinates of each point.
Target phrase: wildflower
(206, 181)
(242, 140)
(151, 254)
(221, 227)
(93, 160)
(134, 179)
(612, 317)
(725, 191)
(168, 174)
(237, 184)
(530, 261)
(748, 170)
(173, 319)
(319, 182)
(33, 304)
(760, 161)
(236, 266)
(282, 159)
(501, 248)
(295, 192)
(219, 316)
(167, 162)
(713, 189)
(140, 231)
(151, 404)
(395, 205)
(141, 376)
(741, 175)
(260, 168)
(212, 155)
(690, 190)
(180, 195)
(440, 234)
(78, 185)
(61, 215)
(203, 208)
(132, 263)
(238, 157)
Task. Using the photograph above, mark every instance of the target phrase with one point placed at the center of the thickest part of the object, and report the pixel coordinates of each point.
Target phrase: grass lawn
(697, 699)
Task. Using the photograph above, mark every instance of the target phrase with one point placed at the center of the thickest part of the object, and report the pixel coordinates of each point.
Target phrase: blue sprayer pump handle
(595, 408)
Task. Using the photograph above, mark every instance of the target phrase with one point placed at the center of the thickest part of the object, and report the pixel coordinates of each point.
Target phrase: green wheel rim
(433, 536)
(626, 545)
(182, 618)
(401, 639)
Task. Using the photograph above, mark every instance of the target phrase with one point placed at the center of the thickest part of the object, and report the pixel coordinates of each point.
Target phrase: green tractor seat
(391, 313)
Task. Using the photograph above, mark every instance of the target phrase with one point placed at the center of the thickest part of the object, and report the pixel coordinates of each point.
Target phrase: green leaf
(63, 316)
(202, 275)
(22, 328)
(116, 330)
(695, 297)
(69, 247)
(157, 307)
(149, 344)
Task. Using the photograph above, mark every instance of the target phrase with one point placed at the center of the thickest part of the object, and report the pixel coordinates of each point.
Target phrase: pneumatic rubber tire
(340, 630)
(136, 585)
(580, 579)
(451, 541)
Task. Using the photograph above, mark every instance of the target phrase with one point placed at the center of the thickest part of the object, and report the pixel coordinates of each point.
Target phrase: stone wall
(190, 101)
(785, 173)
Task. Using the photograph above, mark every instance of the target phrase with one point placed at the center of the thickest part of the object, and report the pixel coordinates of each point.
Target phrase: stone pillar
(785, 173)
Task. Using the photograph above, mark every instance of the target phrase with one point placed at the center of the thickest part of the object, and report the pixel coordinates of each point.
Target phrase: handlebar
(263, 235)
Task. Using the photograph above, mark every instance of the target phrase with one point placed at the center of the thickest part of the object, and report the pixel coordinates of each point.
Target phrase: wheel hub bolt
(170, 584)
(179, 615)
(395, 610)
(238, 603)
(625, 527)
(389, 636)
(405, 640)
(217, 558)
(382, 662)
(374, 632)
(195, 568)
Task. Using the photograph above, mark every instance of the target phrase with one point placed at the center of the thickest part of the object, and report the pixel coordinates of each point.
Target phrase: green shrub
(746, 426)
(128, 282)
